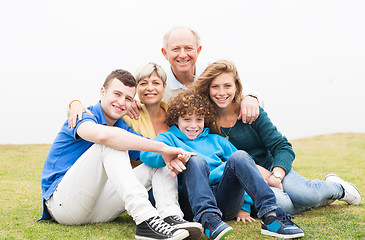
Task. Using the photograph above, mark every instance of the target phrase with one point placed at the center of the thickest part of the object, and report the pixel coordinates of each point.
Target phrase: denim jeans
(225, 198)
(301, 194)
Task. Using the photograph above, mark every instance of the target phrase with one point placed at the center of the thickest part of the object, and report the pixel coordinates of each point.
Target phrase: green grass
(343, 154)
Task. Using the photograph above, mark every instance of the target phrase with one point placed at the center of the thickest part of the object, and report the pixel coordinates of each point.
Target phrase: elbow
(102, 138)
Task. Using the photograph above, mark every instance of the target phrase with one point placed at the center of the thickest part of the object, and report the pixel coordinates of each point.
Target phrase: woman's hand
(133, 112)
(275, 182)
(75, 111)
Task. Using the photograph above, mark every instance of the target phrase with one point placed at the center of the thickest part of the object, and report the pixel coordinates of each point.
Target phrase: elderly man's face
(181, 51)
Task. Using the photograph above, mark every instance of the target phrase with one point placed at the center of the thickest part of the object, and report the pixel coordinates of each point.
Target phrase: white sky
(306, 58)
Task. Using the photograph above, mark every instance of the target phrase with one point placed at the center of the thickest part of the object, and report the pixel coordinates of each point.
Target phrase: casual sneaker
(195, 229)
(352, 195)
(214, 227)
(280, 226)
(156, 228)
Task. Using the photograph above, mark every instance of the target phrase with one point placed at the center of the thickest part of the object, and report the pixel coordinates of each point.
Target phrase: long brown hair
(202, 84)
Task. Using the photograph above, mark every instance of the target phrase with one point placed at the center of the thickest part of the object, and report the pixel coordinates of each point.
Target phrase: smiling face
(222, 90)
(116, 100)
(150, 90)
(181, 50)
(191, 125)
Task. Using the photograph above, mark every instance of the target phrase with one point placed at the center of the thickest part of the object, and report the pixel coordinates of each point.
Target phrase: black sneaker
(195, 229)
(280, 226)
(214, 227)
(156, 228)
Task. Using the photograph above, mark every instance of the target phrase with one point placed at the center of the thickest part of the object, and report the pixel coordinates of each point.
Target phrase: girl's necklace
(226, 134)
(229, 130)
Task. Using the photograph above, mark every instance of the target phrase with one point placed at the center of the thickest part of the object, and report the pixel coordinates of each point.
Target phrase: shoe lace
(287, 220)
(160, 226)
(177, 218)
(211, 222)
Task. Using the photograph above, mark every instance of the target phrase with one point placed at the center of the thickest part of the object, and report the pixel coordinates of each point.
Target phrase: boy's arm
(120, 139)
(153, 159)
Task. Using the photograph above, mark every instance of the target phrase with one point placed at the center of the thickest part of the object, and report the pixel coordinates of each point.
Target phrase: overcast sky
(306, 58)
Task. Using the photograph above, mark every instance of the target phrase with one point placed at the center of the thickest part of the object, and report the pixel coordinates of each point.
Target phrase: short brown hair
(122, 75)
(189, 102)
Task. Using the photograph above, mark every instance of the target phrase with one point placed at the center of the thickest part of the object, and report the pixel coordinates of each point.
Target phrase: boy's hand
(176, 167)
(75, 111)
(244, 216)
(184, 158)
(134, 110)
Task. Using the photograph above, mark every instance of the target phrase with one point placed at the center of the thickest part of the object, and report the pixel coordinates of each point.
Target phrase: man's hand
(175, 158)
(134, 110)
(244, 216)
(75, 111)
(249, 109)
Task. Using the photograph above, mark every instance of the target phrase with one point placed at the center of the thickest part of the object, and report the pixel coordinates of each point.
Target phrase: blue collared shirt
(67, 148)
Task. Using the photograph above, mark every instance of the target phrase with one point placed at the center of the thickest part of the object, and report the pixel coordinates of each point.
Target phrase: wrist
(277, 175)
(253, 96)
(76, 100)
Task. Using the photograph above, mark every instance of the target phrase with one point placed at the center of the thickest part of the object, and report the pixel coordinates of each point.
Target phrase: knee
(197, 163)
(241, 157)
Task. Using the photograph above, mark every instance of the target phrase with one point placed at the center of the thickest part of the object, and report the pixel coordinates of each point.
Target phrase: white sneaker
(352, 195)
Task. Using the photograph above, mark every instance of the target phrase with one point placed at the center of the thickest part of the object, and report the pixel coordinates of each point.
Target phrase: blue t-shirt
(67, 148)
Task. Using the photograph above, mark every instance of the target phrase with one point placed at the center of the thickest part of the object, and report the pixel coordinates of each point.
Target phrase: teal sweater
(211, 147)
(266, 145)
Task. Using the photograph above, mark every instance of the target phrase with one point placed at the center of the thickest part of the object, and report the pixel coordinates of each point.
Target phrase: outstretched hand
(244, 216)
(175, 159)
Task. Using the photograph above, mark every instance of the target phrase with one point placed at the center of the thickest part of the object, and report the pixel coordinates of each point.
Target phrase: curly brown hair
(188, 103)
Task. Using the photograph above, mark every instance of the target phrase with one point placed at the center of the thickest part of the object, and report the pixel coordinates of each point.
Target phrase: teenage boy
(215, 181)
(87, 176)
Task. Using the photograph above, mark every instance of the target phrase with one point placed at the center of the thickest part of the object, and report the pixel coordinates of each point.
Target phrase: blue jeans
(225, 198)
(301, 194)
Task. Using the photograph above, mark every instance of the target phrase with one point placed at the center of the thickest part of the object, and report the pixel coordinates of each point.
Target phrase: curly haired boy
(213, 184)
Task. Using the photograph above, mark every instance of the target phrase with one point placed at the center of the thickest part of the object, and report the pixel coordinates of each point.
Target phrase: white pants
(102, 184)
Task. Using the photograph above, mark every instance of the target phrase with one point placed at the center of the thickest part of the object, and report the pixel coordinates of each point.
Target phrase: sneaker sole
(195, 229)
(341, 181)
(182, 235)
(224, 233)
(278, 235)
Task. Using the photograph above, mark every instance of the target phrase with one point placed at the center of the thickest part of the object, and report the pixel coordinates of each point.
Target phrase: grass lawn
(343, 154)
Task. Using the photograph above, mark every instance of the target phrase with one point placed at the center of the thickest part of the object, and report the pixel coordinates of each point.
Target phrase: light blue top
(212, 148)
(67, 148)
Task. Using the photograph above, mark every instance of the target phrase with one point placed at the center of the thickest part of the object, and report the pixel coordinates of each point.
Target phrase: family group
(193, 150)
